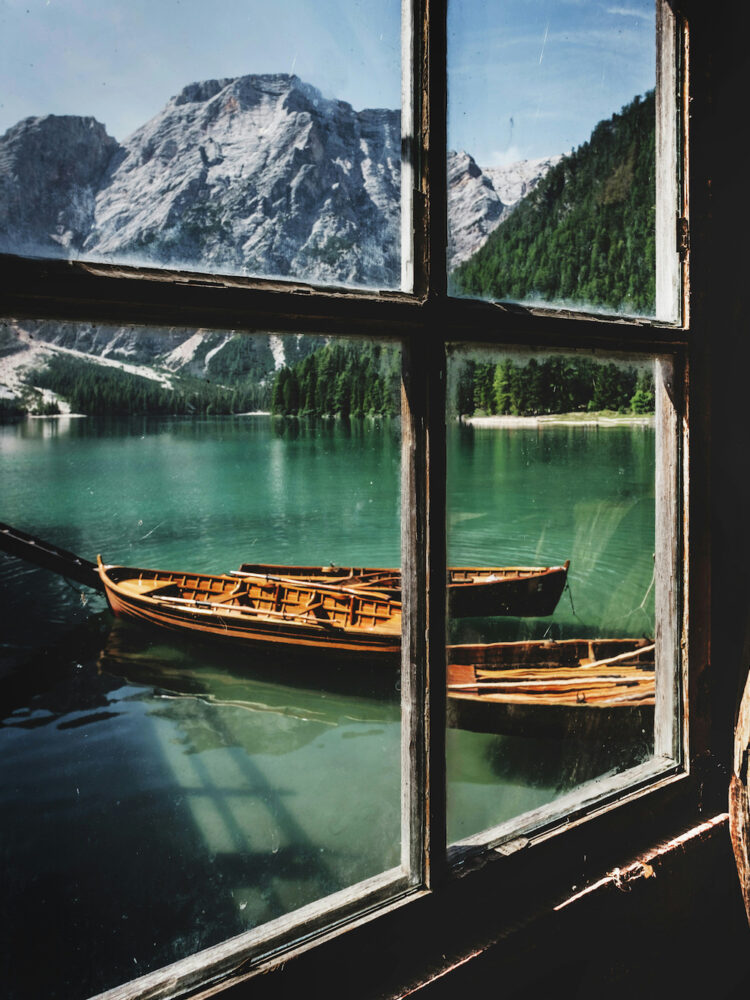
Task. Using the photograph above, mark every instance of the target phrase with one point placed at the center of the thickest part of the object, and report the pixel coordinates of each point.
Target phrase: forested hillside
(554, 385)
(94, 389)
(585, 235)
(346, 378)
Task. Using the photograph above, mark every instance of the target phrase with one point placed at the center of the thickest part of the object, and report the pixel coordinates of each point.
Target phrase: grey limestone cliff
(256, 175)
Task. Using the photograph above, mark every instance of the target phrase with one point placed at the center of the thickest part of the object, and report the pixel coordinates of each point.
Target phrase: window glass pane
(264, 141)
(551, 485)
(169, 780)
(551, 127)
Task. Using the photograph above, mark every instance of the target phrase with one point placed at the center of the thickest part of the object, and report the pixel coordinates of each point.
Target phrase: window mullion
(423, 489)
(436, 558)
(671, 217)
(424, 595)
(428, 146)
(668, 560)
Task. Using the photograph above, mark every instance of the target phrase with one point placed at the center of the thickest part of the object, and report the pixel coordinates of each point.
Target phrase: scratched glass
(551, 540)
(265, 141)
(551, 161)
(210, 783)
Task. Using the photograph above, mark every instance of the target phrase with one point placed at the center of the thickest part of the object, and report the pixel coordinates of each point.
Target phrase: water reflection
(233, 797)
(210, 790)
(262, 684)
(541, 495)
(538, 495)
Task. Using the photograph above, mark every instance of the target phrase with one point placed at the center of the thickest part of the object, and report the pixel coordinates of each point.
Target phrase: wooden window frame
(373, 919)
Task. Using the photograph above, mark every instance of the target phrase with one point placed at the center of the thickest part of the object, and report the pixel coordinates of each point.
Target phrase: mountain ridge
(255, 174)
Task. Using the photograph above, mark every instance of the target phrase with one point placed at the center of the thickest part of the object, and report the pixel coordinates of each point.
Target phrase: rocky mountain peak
(199, 93)
(50, 170)
(255, 174)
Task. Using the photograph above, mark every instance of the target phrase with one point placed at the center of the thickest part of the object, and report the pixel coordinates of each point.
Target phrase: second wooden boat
(263, 613)
(473, 592)
(577, 688)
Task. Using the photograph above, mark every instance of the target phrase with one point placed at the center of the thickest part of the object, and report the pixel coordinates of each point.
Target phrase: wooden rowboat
(473, 592)
(575, 687)
(520, 591)
(562, 687)
(264, 613)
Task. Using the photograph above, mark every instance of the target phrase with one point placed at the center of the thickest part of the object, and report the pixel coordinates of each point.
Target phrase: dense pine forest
(586, 234)
(94, 389)
(555, 385)
(345, 378)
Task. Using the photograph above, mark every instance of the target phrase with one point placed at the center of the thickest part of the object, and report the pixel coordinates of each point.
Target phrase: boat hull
(273, 618)
(573, 689)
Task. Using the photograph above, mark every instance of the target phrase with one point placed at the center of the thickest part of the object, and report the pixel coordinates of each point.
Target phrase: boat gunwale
(170, 612)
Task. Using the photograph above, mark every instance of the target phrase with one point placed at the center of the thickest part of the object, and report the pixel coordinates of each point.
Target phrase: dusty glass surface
(261, 140)
(550, 491)
(167, 784)
(551, 157)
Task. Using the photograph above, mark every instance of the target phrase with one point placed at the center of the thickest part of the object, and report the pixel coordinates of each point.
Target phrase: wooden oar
(211, 606)
(619, 657)
(291, 581)
(550, 684)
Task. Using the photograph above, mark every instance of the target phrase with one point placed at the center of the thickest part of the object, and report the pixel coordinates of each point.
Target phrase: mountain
(586, 233)
(480, 198)
(516, 180)
(64, 364)
(51, 170)
(256, 175)
(253, 175)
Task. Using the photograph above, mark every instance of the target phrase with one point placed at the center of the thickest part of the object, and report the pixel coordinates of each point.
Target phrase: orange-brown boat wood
(518, 591)
(573, 686)
(493, 687)
(264, 613)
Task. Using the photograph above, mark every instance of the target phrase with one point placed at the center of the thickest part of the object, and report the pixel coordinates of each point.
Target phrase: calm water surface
(160, 796)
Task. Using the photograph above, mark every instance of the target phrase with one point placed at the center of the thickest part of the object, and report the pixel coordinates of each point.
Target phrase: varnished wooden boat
(263, 613)
(575, 687)
(478, 592)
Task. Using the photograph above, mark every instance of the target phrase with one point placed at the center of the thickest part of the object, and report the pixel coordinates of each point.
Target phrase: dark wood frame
(380, 941)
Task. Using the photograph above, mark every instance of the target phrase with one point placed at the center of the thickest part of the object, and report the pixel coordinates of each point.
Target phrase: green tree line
(345, 378)
(586, 234)
(554, 385)
(94, 389)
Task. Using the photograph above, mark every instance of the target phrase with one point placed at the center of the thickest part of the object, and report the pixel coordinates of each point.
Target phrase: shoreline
(569, 419)
(55, 416)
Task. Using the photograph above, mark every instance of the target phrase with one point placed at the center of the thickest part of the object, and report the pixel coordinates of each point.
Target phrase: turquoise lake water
(159, 796)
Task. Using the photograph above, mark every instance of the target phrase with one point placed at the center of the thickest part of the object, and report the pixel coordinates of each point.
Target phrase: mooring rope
(572, 606)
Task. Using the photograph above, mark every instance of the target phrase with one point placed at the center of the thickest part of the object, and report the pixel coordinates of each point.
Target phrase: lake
(161, 795)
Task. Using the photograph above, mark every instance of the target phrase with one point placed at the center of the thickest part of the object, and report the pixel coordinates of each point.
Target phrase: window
(190, 281)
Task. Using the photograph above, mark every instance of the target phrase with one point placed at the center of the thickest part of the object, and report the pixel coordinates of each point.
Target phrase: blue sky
(530, 78)
(121, 61)
(527, 78)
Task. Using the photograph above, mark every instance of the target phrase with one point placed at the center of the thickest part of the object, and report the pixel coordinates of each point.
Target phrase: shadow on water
(187, 798)
(564, 764)
(263, 684)
(158, 795)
